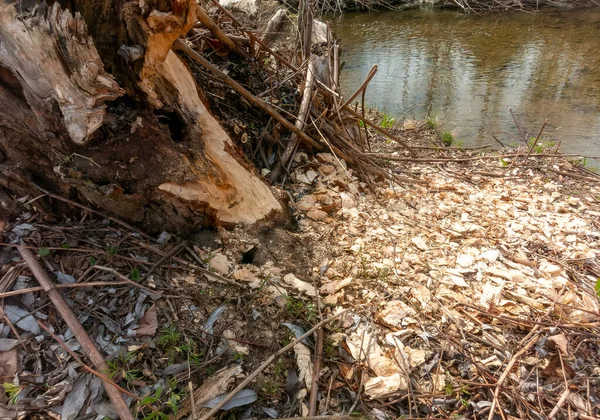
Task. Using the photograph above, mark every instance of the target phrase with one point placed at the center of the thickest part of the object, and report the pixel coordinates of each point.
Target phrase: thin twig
(78, 331)
(265, 364)
(63, 286)
(531, 340)
(362, 87)
(314, 389)
(536, 139)
(125, 279)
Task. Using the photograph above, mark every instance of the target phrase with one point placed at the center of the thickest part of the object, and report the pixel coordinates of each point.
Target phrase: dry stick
(300, 122)
(499, 142)
(362, 111)
(194, 411)
(305, 16)
(215, 30)
(377, 128)
(536, 139)
(78, 331)
(572, 175)
(314, 390)
(336, 66)
(125, 279)
(469, 159)
(362, 87)
(518, 126)
(264, 365)
(179, 45)
(511, 363)
(63, 286)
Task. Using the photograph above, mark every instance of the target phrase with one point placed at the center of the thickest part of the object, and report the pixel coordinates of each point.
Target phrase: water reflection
(469, 70)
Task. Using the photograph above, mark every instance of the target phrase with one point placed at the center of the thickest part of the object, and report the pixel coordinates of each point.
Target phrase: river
(470, 70)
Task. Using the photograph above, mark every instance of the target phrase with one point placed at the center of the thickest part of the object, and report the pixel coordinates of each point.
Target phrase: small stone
(316, 214)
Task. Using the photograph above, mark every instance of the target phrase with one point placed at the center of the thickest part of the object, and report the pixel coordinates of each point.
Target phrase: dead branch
(80, 334)
(300, 122)
(215, 30)
(265, 364)
(362, 87)
(180, 45)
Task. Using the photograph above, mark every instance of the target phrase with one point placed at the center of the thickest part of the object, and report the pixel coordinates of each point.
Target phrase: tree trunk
(107, 113)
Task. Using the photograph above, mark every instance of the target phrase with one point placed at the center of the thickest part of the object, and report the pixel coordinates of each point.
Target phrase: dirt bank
(466, 295)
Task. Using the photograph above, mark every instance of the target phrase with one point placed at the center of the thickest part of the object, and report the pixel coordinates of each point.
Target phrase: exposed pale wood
(246, 94)
(265, 364)
(57, 63)
(274, 27)
(233, 194)
(78, 331)
(300, 122)
(144, 176)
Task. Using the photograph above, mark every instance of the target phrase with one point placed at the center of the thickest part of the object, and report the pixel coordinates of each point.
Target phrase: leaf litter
(473, 292)
(469, 294)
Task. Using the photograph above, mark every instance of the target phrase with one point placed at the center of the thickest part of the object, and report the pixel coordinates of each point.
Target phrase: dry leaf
(148, 323)
(305, 364)
(9, 359)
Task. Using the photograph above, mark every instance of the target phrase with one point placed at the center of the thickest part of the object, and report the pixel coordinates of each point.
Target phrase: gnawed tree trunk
(108, 113)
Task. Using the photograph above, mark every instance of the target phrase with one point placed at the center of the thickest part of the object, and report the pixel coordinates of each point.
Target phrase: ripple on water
(469, 70)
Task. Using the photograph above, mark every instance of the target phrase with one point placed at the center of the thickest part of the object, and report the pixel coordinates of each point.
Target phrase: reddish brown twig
(104, 378)
(264, 365)
(314, 390)
(78, 331)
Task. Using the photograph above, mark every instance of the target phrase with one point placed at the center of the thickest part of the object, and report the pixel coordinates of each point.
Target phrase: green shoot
(447, 138)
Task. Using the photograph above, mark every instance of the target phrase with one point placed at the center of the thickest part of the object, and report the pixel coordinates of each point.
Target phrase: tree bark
(109, 114)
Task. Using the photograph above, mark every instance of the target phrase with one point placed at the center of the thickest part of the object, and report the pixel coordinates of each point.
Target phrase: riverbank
(413, 279)
(467, 291)
(468, 6)
(488, 75)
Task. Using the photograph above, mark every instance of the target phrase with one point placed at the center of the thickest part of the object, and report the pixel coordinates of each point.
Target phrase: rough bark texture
(139, 142)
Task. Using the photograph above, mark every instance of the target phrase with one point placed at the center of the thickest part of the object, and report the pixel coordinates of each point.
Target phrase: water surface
(470, 70)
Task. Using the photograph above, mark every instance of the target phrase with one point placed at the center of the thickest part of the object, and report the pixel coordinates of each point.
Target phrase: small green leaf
(43, 252)
(92, 260)
(135, 274)
(65, 246)
(112, 250)
(598, 286)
